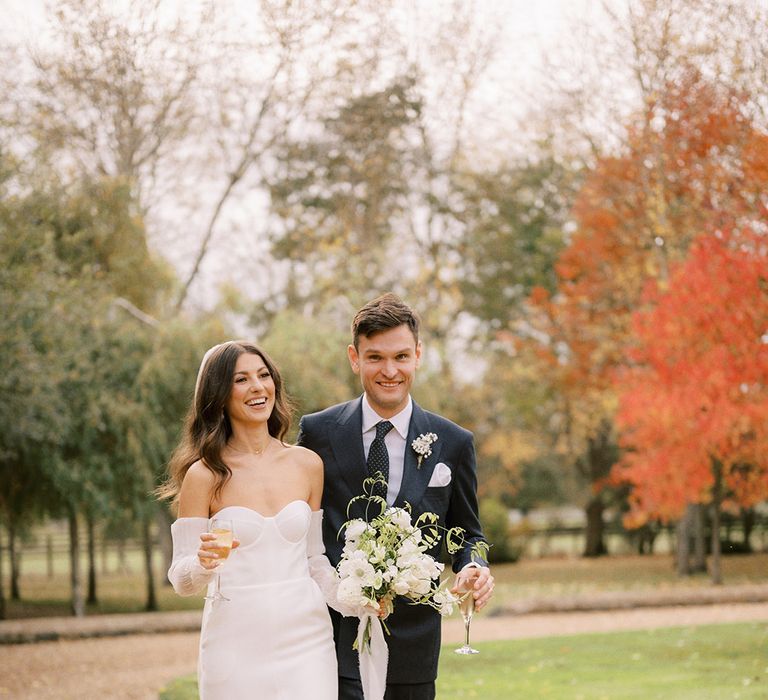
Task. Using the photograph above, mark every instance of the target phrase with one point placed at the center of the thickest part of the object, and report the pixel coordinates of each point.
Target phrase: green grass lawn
(712, 662)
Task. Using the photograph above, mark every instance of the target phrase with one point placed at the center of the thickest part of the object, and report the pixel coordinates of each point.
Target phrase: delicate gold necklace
(255, 453)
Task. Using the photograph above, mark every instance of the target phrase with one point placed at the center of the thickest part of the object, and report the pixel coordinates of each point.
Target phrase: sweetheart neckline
(264, 517)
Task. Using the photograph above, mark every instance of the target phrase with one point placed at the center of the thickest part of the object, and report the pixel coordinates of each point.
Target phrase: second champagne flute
(467, 609)
(224, 535)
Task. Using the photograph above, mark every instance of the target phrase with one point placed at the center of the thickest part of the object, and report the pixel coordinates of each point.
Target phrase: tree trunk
(683, 550)
(2, 588)
(49, 555)
(748, 524)
(151, 605)
(717, 468)
(595, 544)
(77, 603)
(699, 539)
(13, 553)
(164, 538)
(646, 536)
(122, 559)
(92, 598)
(104, 556)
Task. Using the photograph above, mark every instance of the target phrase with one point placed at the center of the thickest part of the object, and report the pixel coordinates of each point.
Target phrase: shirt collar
(400, 421)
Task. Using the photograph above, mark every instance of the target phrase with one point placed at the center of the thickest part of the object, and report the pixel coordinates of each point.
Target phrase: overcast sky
(531, 30)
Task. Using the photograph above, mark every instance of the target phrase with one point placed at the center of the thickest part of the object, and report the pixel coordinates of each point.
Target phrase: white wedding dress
(273, 639)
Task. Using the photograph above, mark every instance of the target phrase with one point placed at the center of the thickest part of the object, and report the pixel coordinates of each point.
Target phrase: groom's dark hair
(381, 314)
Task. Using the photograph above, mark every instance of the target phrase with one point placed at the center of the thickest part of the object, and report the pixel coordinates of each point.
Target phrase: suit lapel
(347, 445)
(415, 477)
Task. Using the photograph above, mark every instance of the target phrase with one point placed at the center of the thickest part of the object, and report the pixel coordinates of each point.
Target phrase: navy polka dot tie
(378, 457)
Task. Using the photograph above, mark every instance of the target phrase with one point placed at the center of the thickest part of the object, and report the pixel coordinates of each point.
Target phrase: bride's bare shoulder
(196, 489)
(199, 475)
(305, 458)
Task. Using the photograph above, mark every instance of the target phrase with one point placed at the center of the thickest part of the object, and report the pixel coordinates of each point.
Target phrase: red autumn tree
(694, 161)
(694, 409)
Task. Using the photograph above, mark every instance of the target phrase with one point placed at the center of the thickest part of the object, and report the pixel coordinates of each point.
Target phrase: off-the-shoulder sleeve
(187, 575)
(320, 568)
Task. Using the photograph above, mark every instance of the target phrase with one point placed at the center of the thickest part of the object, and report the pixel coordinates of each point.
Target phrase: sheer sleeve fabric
(187, 575)
(320, 568)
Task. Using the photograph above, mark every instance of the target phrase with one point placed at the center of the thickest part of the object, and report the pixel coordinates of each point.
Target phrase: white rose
(420, 586)
(429, 567)
(355, 528)
(408, 547)
(401, 585)
(400, 517)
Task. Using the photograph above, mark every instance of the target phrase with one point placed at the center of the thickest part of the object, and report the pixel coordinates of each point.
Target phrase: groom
(376, 432)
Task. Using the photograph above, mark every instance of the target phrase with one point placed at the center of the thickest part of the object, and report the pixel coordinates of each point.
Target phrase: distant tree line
(582, 288)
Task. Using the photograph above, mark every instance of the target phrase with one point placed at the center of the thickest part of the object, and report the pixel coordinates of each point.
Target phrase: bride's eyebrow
(247, 372)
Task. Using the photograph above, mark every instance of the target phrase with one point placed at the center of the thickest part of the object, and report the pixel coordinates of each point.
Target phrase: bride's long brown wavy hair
(207, 428)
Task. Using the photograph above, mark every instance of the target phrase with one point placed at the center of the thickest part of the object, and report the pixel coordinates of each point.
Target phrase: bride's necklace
(253, 452)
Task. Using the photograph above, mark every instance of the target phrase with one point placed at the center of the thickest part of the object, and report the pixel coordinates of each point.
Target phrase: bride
(272, 637)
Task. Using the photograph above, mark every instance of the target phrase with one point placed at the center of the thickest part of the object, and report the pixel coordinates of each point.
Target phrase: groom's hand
(481, 580)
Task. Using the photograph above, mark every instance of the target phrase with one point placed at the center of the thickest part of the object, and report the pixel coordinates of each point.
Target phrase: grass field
(529, 578)
(713, 662)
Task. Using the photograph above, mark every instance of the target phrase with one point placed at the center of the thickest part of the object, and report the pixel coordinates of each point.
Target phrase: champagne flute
(467, 609)
(224, 533)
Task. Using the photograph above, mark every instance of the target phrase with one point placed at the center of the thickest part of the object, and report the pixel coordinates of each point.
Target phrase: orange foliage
(699, 390)
(693, 163)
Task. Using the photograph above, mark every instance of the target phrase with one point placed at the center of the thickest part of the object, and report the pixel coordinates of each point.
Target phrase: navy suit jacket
(336, 435)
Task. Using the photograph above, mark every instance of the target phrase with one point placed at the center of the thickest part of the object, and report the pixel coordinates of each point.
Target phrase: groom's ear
(354, 359)
(418, 353)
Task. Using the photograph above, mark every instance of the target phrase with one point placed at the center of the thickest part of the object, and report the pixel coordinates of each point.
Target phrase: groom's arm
(463, 509)
(464, 512)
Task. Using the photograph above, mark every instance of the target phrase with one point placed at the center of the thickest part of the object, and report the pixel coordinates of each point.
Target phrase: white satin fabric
(273, 638)
(374, 659)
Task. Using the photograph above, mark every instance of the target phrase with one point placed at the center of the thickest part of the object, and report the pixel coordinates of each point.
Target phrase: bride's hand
(209, 559)
(381, 613)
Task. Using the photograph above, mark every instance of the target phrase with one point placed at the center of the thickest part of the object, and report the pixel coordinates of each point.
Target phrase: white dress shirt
(395, 442)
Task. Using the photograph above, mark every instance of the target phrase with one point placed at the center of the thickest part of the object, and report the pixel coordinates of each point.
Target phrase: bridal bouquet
(387, 557)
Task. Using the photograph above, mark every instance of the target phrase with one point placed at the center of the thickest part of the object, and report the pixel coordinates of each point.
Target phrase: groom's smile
(386, 362)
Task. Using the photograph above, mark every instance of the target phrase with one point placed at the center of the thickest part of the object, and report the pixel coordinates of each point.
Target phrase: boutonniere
(422, 446)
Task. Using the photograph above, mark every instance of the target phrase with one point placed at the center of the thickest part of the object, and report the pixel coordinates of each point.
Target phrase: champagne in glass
(467, 609)
(223, 541)
(224, 535)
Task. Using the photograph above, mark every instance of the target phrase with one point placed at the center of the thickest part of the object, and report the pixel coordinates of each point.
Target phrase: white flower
(350, 593)
(422, 446)
(358, 569)
(420, 586)
(389, 573)
(445, 601)
(387, 557)
(401, 585)
(400, 517)
(355, 528)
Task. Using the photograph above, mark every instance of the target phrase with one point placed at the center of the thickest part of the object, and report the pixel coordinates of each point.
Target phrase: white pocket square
(441, 476)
